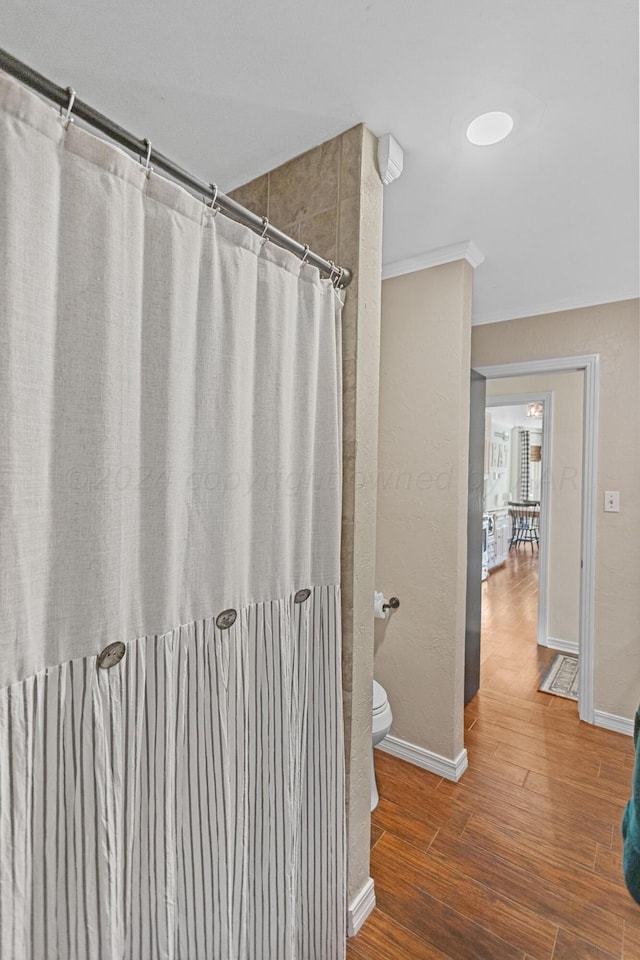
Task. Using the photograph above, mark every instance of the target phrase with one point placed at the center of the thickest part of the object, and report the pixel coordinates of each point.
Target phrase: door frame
(518, 399)
(590, 365)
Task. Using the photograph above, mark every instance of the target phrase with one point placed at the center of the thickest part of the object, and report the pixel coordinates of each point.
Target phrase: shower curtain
(171, 759)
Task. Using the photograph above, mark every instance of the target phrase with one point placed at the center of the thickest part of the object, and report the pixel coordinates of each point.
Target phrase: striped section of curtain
(183, 804)
(524, 464)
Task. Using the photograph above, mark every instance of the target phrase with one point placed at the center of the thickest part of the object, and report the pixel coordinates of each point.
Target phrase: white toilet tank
(381, 716)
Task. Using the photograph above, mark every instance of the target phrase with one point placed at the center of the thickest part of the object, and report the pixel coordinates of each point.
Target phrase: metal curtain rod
(66, 98)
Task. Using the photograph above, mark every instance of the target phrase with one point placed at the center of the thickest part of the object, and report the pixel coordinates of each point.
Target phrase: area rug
(561, 678)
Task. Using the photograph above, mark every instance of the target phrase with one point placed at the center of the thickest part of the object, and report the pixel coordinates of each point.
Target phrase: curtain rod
(66, 98)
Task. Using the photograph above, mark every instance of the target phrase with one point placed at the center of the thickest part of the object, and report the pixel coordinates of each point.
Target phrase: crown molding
(465, 250)
(552, 306)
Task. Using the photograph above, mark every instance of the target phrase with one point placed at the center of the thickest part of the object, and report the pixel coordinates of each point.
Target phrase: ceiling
(515, 415)
(231, 89)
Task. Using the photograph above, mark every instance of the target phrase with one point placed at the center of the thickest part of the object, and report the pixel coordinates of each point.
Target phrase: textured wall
(613, 331)
(331, 198)
(564, 491)
(422, 501)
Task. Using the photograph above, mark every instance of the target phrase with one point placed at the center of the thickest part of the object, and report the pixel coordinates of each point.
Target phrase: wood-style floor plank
(570, 794)
(570, 947)
(631, 947)
(389, 817)
(609, 864)
(496, 913)
(520, 860)
(540, 895)
(383, 938)
(437, 923)
(512, 805)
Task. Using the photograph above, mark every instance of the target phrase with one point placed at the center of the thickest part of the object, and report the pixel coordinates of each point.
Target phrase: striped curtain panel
(171, 754)
(524, 464)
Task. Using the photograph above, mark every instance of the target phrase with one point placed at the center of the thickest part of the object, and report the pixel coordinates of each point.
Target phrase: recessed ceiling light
(489, 128)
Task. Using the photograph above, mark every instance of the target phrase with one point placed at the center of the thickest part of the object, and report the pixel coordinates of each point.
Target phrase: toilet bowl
(380, 725)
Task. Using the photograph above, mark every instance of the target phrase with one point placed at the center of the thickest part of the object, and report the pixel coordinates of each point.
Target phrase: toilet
(380, 725)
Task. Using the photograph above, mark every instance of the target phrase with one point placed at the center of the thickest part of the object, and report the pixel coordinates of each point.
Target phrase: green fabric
(631, 825)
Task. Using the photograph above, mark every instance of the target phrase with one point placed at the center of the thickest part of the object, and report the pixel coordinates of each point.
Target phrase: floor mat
(561, 678)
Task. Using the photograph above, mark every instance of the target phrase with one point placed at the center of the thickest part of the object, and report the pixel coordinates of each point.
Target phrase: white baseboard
(360, 908)
(434, 762)
(610, 722)
(564, 646)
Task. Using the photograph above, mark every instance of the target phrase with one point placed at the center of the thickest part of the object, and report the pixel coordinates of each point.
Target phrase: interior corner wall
(331, 198)
(611, 330)
(422, 486)
(563, 487)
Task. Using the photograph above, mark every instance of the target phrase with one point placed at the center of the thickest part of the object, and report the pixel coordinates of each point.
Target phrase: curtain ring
(265, 227)
(147, 166)
(214, 187)
(333, 270)
(305, 254)
(338, 282)
(67, 119)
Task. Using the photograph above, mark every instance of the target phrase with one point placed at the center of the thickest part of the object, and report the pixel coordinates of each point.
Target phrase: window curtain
(170, 490)
(524, 464)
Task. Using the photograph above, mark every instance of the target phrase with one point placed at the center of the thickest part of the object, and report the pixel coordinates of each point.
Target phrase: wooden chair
(525, 523)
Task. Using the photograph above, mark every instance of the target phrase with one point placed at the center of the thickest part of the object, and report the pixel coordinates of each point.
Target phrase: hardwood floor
(520, 860)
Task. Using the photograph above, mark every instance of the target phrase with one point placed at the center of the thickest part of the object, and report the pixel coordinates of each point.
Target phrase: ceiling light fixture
(490, 128)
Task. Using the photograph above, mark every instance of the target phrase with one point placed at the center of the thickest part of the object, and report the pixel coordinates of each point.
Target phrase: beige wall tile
(292, 230)
(331, 198)
(349, 323)
(351, 162)
(254, 195)
(349, 231)
(320, 231)
(307, 185)
(364, 256)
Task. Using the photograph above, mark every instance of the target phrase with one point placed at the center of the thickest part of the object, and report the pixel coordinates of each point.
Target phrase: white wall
(498, 488)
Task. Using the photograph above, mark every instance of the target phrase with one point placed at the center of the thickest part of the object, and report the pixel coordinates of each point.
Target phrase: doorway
(516, 512)
(585, 567)
(518, 481)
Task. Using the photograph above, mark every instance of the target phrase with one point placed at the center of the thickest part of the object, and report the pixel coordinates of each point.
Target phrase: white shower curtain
(170, 451)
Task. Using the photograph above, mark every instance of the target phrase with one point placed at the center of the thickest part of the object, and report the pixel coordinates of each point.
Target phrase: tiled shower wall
(331, 198)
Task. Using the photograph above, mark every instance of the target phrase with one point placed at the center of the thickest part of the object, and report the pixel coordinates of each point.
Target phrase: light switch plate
(612, 501)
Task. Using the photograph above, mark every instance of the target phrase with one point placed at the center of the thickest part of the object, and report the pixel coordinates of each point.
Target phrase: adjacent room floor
(520, 860)
(511, 659)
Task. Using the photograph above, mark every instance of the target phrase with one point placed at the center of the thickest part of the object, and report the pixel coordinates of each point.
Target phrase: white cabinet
(501, 538)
